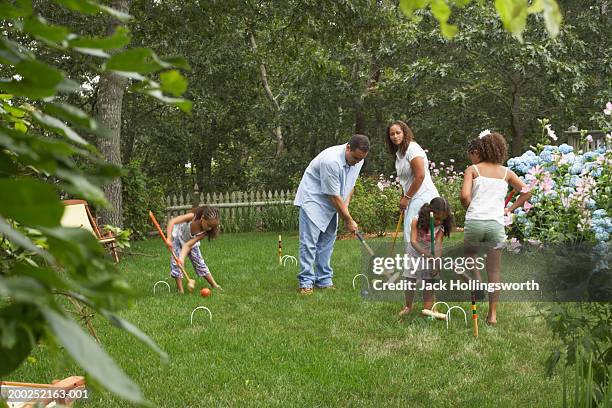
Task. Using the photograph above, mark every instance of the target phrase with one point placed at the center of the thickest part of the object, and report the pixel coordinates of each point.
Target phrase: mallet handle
(163, 237)
(510, 195)
(365, 244)
(437, 315)
(397, 228)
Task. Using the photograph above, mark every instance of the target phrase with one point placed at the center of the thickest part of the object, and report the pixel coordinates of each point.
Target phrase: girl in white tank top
(485, 185)
(488, 196)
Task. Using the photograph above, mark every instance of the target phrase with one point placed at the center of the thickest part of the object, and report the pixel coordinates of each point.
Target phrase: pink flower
(608, 109)
(513, 245)
(566, 201)
(527, 206)
(589, 138)
(452, 160)
(547, 184)
(534, 242)
(534, 171)
(528, 188)
(432, 165)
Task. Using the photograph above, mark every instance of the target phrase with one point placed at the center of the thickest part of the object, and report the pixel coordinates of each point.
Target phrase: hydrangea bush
(571, 192)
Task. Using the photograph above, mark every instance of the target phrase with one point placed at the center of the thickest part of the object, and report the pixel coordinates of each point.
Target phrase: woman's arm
(518, 185)
(176, 220)
(418, 170)
(466, 189)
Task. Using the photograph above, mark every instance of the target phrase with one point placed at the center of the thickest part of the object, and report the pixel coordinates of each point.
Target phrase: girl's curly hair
(491, 148)
(437, 205)
(208, 213)
(408, 137)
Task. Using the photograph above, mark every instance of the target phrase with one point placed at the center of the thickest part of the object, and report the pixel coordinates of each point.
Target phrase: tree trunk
(373, 78)
(111, 88)
(277, 131)
(515, 114)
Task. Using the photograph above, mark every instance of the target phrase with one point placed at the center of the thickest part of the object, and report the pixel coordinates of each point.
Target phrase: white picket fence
(240, 210)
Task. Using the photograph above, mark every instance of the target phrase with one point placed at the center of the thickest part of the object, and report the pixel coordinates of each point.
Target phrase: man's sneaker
(330, 287)
(305, 291)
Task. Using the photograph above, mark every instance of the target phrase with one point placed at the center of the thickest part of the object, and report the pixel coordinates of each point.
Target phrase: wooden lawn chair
(77, 214)
(73, 386)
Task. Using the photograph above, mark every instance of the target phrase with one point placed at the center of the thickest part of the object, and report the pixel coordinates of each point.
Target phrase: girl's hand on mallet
(404, 201)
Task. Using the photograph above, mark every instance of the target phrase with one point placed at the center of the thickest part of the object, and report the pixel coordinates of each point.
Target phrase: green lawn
(267, 346)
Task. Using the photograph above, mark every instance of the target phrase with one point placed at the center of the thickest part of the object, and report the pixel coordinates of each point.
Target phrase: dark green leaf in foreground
(94, 360)
(121, 38)
(173, 82)
(39, 28)
(30, 202)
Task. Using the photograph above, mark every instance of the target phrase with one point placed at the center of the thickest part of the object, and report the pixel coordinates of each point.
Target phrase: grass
(267, 346)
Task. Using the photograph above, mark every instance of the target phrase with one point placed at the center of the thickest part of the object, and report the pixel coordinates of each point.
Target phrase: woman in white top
(412, 168)
(485, 185)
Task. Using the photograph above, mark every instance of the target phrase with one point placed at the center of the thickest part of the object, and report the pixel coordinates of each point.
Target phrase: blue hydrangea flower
(599, 213)
(589, 157)
(576, 168)
(565, 148)
(569, 158)
(546, 155)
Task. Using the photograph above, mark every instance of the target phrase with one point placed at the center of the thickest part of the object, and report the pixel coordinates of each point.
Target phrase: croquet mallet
(397, 228)
(190, 282)
(365, 244)
(510, 195)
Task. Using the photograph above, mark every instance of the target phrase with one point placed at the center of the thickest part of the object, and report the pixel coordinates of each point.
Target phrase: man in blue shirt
(324, 192)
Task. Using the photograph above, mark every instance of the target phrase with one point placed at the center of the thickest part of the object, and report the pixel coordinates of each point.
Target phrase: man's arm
(342, 209)
(348, 200)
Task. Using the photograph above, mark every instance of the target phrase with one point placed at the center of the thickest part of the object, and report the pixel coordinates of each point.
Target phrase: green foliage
(279, 218)
(448, 182)
(513, 13)
(122, 236)
(45, 153)
(586, 344)
(375, 205)
(140, 194)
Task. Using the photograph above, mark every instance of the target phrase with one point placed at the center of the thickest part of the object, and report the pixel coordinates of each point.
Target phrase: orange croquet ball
(205, 292)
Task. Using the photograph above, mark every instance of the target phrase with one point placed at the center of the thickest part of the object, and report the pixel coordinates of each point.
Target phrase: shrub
(448, 181)
(279, 218)
(140, 194)
(570, 194)
(375, 204)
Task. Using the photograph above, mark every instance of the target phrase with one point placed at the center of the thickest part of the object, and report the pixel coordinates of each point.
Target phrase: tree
(108, 112)
(43, 156)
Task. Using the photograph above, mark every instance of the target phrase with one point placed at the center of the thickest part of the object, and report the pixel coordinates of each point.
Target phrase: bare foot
(406, 310)
(491, 321)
